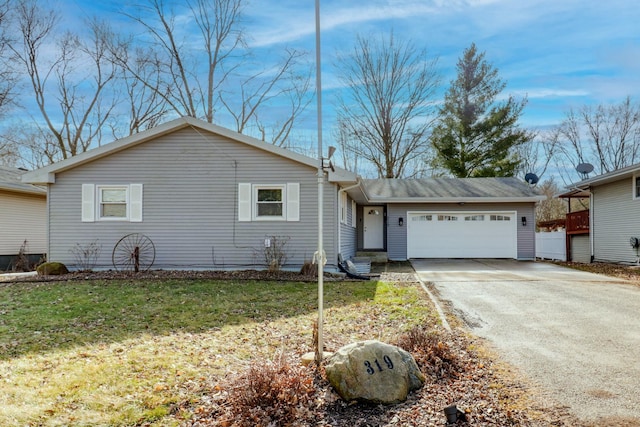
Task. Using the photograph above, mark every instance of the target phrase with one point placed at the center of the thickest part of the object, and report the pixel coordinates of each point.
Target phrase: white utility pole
(320, 256)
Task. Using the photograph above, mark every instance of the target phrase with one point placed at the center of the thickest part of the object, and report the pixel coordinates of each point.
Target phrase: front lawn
(124, 352)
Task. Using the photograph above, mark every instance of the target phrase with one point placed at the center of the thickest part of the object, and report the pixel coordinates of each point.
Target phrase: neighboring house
(211, 198)
(23, 218)
(605, 230)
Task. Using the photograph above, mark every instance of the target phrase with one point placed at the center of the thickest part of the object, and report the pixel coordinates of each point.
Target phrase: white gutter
(342, 190)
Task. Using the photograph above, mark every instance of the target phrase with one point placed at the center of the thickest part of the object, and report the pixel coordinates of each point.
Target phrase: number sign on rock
(372, 371)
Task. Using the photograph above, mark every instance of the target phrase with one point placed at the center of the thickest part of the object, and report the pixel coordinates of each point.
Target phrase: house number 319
(370, 367)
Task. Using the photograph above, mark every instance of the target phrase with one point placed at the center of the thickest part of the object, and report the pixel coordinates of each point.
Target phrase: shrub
(431, 352)
(86, 256)
(272, 393)
(21, 262)
(309, 269)
(274, 253)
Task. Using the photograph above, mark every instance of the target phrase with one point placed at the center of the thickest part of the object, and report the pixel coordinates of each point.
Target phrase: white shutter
(354, 208)
(343, 207)
(135, 202)
(293, 201)
(88, 203)
(244, 201)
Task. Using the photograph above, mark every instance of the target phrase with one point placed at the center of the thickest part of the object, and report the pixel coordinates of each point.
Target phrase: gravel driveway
(576, 334)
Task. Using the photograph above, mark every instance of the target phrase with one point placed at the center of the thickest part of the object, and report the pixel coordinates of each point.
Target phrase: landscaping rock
(375, 372)
(52, 269)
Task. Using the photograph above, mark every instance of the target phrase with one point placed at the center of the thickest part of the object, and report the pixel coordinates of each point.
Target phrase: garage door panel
(461, 235)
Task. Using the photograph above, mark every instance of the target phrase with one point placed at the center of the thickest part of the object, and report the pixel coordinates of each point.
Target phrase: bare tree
(256, 91)
(69, 82)
(8, 76)
(553, 207)
(177, 80)
(29, 143)
(145, 106)
(606, 136)
(536, 155)
(387, 109)
(190, 88)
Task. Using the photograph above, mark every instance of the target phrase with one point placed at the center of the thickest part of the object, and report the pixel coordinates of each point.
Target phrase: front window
(637, 187)
(113, 202)
(269, 202)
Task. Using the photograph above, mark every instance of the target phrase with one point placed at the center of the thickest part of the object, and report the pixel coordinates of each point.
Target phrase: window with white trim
(636, 187)
(354, 208)
(269, 202)
(474, 218)
(111, 202)
(343, 207)
(500, 218)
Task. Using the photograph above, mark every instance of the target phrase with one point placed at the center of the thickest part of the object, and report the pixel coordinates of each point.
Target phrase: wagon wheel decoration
(134, 252)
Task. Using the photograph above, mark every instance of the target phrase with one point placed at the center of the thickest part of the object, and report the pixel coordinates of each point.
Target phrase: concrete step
(375, 256)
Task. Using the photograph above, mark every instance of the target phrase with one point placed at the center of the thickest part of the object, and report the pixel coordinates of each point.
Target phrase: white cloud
(540, 92)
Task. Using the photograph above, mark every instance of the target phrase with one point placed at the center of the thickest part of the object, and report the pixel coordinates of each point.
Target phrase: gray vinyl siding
(22, 217)
(348, 236)
(397, 235)
(581, 248)
(190, 205)
(615, 217)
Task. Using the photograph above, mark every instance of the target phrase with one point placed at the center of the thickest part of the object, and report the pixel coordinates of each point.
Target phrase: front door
(373, 232)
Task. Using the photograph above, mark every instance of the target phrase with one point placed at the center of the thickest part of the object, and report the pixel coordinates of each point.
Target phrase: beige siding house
(23, 218)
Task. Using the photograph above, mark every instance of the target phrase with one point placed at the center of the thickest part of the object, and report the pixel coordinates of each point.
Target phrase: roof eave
(23, 189)
(440, 200)
(606, 178)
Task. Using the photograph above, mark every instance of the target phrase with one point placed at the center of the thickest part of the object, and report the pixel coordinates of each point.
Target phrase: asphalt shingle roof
(448, 188)
(10, 180)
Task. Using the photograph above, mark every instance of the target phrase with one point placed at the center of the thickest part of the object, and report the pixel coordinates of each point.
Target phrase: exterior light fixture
(400, 221)
(524, 221)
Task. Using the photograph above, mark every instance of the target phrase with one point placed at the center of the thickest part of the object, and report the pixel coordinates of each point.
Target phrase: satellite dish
(531, 178)
(584, 169)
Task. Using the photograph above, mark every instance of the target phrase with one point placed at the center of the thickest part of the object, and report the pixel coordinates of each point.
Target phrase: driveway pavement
(576, 334)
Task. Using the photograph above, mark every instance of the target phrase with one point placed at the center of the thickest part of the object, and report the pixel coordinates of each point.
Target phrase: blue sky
(559, 53)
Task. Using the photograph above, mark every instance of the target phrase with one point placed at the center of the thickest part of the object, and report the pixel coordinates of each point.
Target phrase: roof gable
(47, 173)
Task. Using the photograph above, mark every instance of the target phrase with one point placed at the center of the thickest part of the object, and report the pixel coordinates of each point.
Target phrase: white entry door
(373, 222)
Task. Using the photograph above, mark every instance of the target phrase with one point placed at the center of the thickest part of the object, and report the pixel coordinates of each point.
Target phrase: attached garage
(449, 217)
(487, 234)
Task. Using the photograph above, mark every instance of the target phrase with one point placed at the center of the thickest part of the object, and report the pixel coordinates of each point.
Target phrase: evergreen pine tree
(475, 135)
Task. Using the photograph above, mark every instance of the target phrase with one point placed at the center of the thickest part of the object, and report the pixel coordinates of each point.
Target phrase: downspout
(591, 229)
(342, 190)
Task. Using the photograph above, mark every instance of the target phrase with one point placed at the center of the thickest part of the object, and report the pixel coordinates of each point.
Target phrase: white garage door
(462, 235)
